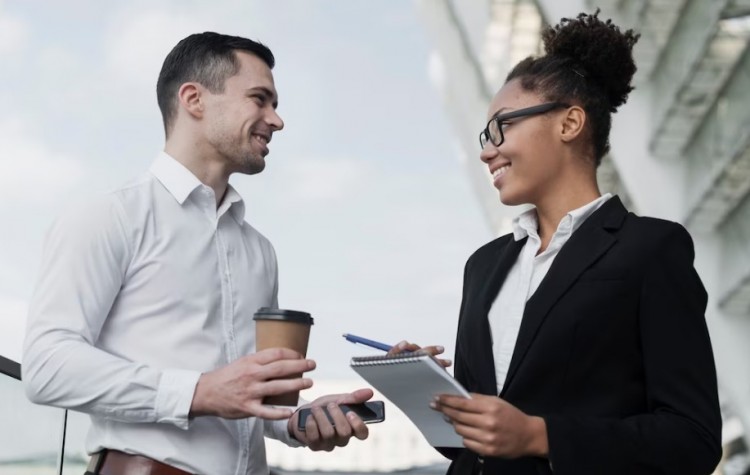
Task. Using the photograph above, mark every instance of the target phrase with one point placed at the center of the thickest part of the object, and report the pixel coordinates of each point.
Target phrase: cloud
(13, 35)
(436, 70)
(325, 180)
(137, 46)
(316, 180)
(56, 61)
(30, 169)
(13, 317)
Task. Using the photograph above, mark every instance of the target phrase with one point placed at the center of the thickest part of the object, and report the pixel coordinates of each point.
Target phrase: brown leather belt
(114, 462)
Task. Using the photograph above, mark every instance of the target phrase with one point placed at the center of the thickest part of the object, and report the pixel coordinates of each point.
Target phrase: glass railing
(41, 440)
(30, 435)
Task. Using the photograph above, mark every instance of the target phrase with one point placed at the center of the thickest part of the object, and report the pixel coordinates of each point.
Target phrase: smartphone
(370, 412)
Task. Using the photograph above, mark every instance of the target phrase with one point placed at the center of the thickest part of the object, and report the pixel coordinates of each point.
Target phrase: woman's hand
(493, 427)
(403, 346)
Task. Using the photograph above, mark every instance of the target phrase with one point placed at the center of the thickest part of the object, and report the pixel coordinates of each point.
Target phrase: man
(142, 316)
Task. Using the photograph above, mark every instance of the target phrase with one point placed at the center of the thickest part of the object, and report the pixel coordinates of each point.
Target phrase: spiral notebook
(411, 381)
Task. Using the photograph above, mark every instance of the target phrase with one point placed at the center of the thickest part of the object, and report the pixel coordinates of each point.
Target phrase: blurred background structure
(680, 146)
(680, 151)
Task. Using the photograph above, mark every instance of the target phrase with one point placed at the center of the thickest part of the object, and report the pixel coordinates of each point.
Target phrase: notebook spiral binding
(387, 359)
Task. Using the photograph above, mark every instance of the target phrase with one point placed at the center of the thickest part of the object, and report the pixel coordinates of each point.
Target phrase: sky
(369, 208)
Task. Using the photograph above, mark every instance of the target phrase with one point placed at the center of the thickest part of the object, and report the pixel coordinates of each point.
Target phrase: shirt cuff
(279, 430)
(174, 396)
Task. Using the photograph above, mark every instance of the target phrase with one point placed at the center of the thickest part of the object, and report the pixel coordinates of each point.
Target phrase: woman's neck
(553, 209)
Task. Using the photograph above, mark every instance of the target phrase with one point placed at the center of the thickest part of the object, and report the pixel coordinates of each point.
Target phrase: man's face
(240, 121)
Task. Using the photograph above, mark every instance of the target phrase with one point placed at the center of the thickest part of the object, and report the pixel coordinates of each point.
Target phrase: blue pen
(365, 341)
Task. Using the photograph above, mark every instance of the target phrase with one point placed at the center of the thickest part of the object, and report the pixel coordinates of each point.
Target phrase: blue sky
(370, 211)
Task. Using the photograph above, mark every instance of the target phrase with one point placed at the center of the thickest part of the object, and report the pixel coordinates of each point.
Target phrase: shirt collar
(234, 202)
(180, 182)
(527, 222)
(175, 177)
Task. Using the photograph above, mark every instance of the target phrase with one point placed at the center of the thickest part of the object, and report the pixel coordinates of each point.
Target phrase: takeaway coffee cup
(280, 328)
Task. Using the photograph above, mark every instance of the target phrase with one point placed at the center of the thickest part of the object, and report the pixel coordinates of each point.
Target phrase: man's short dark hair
(206, 58)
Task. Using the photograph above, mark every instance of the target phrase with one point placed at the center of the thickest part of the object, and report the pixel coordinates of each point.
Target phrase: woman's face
(524, 167)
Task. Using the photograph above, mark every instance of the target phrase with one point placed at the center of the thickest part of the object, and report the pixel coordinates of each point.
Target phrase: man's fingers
(312, 434)
(281, 386)
(274, 354)
(359, 428)
(356, 397)
(283, 369)
(268, 412)
(324, 425)
(340, 422)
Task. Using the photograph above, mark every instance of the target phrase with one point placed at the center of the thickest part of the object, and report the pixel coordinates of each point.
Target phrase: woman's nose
(488, 152)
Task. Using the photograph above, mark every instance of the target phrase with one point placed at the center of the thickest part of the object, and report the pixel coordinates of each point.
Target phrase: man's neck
(210, 172)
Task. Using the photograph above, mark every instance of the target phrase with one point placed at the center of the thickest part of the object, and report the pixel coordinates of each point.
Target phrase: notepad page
(411, 384)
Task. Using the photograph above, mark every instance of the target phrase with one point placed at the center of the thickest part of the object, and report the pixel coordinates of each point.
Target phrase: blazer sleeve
(681, 431)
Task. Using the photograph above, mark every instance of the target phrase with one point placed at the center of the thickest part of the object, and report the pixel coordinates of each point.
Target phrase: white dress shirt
(524, 277)
(139, 292)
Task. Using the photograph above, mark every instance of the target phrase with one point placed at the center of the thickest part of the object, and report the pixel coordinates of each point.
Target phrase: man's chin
(253, 166)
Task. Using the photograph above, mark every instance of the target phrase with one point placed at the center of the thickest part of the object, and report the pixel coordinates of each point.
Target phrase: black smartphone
(370, 412)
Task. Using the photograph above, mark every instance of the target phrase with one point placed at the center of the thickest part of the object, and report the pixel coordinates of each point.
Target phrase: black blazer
(613, 352)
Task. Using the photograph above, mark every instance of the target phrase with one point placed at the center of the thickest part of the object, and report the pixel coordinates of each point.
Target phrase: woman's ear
(190, 98)
(572, 123)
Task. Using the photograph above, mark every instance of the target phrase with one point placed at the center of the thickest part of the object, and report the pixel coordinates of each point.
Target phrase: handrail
(10, 368)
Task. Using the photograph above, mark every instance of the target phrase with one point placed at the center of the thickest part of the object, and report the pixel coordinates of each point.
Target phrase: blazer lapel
(478, 339)
(585, 246)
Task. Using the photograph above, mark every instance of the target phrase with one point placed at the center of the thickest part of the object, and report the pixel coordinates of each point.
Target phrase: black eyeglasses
(494, 130)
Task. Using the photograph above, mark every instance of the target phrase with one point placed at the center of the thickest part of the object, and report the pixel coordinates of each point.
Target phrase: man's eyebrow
(270, 95)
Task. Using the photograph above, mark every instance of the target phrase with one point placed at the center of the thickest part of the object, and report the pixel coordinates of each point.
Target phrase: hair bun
(599, 48)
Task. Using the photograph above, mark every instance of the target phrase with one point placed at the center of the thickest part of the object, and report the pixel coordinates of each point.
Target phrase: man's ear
(190, 98)
(572, 123)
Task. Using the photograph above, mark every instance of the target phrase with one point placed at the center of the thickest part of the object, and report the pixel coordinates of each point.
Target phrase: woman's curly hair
(588, 62)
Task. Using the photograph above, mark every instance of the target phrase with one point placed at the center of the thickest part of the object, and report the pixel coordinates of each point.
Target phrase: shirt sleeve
(278, 430)
(84, 264)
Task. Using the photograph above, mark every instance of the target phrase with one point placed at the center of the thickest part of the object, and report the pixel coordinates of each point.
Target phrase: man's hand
(237, 390)
(319, 434)
(434, 350)
(493, 427)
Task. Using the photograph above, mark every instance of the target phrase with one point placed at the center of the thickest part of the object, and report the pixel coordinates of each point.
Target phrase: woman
(587, 320)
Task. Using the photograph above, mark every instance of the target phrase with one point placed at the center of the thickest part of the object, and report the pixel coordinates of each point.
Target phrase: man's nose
(274, 120)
